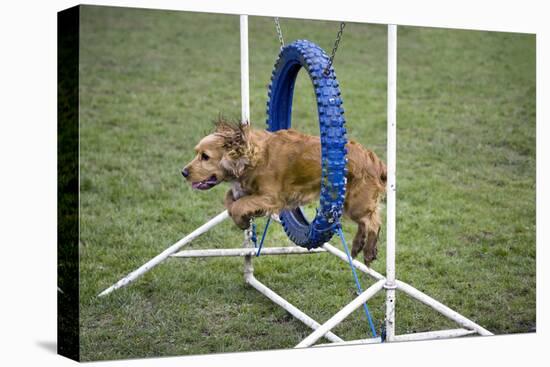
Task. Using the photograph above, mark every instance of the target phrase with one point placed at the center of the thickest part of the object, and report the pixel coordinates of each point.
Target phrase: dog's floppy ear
(236, 146)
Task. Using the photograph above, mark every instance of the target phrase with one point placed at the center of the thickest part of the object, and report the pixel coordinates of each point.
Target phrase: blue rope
(263, 237)
(253, 236)
(365, 307)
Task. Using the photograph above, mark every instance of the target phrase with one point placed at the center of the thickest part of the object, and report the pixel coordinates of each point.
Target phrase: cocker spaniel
(272, 171)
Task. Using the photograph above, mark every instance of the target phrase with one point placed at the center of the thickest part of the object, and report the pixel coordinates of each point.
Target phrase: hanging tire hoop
(314, 60)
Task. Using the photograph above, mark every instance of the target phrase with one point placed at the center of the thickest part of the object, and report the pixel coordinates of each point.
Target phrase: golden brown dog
(282, 170)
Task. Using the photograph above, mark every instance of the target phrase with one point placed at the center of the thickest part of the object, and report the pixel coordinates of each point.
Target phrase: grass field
(151, 83)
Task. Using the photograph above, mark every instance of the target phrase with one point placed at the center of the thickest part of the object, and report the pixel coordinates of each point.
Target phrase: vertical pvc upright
(245, 119)
(245, 92)
(391, 182)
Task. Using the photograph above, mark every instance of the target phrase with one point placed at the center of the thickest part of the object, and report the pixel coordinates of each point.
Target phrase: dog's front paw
(241, 221)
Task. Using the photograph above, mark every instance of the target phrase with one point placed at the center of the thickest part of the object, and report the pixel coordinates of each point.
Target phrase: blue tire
(314, 60)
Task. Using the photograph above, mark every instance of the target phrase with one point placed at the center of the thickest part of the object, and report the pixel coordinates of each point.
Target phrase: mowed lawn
(152, 82)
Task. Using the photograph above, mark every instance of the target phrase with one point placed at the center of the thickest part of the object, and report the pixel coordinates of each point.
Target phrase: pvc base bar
(352, 342)
(432, 335)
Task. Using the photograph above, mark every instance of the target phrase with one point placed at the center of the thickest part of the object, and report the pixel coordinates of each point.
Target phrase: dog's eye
(204, 157)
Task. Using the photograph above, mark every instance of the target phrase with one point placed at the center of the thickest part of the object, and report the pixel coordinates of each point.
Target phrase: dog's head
(220, 156)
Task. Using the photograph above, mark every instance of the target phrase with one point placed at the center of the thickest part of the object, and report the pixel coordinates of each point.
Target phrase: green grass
(152, 82)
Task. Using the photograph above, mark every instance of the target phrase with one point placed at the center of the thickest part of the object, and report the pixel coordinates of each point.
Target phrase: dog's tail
(383, 172)
(376, 168)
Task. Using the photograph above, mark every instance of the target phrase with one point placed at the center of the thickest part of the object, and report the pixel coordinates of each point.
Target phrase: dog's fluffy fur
(274, 171)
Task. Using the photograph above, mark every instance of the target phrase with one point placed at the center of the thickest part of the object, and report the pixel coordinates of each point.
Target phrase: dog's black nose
(185, 172)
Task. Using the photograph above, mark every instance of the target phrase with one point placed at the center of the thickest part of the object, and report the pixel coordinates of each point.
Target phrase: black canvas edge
(68, 35)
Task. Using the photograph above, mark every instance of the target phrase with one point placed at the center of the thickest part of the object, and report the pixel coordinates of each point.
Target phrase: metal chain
(335, 48)
(279, 33)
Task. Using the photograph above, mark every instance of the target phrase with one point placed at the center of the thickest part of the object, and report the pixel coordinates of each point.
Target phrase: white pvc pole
(245, 92)
(391, 183)
(166, 253)
(433, 335)
(342, 314)
(223, 252)
(376, 340)
(245, 119)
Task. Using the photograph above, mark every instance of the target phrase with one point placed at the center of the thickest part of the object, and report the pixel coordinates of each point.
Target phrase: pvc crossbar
(247, 252)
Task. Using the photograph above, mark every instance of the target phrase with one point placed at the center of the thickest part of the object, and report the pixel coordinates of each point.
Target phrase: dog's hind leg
(371, 249)
(366, 238)
(360, 238)
(368, 227)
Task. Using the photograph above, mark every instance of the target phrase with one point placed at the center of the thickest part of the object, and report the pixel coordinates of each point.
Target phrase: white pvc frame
(389, 283)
